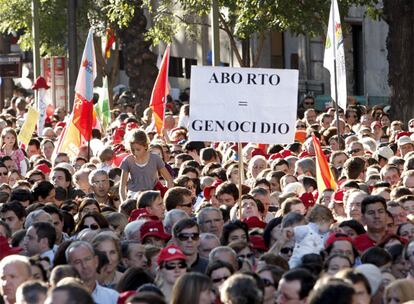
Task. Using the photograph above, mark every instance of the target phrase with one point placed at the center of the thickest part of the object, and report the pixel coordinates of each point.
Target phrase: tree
(241, 19)
(124, 16)
(400, 45)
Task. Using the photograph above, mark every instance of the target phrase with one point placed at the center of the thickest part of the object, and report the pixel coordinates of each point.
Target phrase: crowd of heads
(140, 217)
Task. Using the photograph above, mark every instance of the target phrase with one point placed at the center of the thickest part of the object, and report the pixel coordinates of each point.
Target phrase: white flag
(41, 108)
(334, 50)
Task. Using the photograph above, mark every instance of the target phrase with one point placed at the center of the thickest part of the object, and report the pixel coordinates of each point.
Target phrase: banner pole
(336, 103)
(241, 176)
(89, 150)
(335, 79)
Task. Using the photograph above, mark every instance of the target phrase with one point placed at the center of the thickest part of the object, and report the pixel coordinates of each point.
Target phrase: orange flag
(110, 40)
(324, 176)
(160, 92)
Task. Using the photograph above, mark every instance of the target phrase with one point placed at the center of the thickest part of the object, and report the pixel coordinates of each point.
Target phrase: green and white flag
(103, 111)
(334, 58)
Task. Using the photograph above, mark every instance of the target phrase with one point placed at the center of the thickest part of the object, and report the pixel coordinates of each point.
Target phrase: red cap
(123, 297)
(254, 222)
(304, 154)
(6, 250)
(141, 213)
(170, 253)
(285, 153)
(275, 156)
(338, 196)
(153, 228)
(119, 148)
(401, 134)
(44, 168)
(307, 199)
(118, 136)
(40, 83)
(333, 237)
(258, 151)
(131, 125)
(207, 190)
(61, 124)
(258, 243)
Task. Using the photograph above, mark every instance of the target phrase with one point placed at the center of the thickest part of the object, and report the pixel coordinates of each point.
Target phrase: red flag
(160, 92)
(83, 103)
(324, 176)
(83, 116)
(110, 40)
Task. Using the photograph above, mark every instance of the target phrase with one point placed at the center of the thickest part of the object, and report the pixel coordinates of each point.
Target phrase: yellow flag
(71, 141)
(26, 132)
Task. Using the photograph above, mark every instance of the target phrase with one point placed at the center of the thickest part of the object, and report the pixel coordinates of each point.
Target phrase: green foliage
(243, 18)
(120, 12)
(15, 16)
(239, 18)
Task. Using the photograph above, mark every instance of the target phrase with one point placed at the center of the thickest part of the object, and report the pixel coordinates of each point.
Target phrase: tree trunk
(246, 52)
(140, 62)
(6, 87)
(400, 44)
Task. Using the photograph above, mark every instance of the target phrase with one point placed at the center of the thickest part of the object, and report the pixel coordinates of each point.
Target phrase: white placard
(243, 105)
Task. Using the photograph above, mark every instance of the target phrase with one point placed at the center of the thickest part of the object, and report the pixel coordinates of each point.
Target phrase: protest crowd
(140, 217)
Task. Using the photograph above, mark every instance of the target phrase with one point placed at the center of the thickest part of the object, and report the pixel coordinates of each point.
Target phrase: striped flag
(160, 92)
(334, 58)
(324, 176)
(83, 105)
(78, 129)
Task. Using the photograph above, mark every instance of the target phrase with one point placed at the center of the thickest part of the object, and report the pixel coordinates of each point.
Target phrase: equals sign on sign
(243, 103)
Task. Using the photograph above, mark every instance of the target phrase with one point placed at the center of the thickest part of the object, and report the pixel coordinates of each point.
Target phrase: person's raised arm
(167, 176)
(123, 186)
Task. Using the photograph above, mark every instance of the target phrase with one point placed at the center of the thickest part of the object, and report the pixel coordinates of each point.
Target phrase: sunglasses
(186, 236)
(300, 126)
(286, 250)
(92, 227)
(246, 256)
(309, 103)
(4, 173)
(354, 151)
(218, 280)
(267, 283)
(180, 265)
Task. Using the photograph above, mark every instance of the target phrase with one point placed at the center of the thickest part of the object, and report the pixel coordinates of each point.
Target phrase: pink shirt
(16, 155)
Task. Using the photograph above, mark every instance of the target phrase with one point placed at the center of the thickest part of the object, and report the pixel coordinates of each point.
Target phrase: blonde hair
(404, 288)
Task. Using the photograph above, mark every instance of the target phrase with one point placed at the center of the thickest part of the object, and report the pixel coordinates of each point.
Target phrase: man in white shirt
(80, 254)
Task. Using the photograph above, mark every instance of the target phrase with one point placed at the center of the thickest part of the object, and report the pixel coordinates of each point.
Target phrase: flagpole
(335, 76)
(241, 173)
(166, 84)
